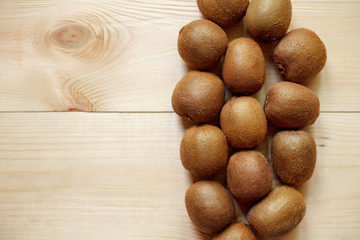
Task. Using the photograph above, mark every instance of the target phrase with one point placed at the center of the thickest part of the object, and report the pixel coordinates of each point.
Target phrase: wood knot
(87, 35)
(74, 110)
(71, 36)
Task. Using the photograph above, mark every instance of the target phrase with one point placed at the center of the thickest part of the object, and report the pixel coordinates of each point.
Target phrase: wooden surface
(117, 174)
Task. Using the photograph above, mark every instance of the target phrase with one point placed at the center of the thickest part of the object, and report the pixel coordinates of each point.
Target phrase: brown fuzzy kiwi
(249, 176)
(300, 55)
(293, 156)
(243, 122)
(204, 150)
(268, 20)
(202, 43)
(236, 231)
(199, 96)
(291, 105)
(209, 206)
(223, 12)
(244, 66)
(278, 213)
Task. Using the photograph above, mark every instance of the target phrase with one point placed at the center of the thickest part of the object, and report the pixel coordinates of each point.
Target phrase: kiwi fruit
(209, 206)
(199, 96)
(293, 156)
(223, 12)
(300, 55)
(202, 43)
(268, 19)
(244, 66)
(249, 176)
(204, 150)
(243, 122)
(236, 231)
(291, 105)
(278, 213)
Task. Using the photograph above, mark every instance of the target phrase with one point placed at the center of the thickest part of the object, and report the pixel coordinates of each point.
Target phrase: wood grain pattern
(121, 55)
(119, 176)
(74, 176)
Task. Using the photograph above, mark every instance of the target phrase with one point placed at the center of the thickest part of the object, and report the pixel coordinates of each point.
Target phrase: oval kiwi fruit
(244, 66)
(223, 12)
(291, 105)
(243, 122)
(249, 176)
(236, 231)
(204, 150)
(268, 20)
(209, 206)
(278, 213)
(202, 43)
(300, 55)
(293, 156)
(199, 96)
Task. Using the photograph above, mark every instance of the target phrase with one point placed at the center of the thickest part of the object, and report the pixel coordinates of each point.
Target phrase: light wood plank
(118, 176)
(121, 55)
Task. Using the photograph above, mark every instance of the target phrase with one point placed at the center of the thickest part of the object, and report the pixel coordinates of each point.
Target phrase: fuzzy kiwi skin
(223, 12)
(243, 122)
(202, 43)
(268, 19)
(293, 156)
(278, 213)
(204, 150)
(249, 176)
(300, 55)
(198, 96)
(291, 105)
(209, 206)
(244, 66)
(236, 231)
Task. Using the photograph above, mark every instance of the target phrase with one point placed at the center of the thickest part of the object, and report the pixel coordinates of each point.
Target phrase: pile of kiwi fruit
(229, 144)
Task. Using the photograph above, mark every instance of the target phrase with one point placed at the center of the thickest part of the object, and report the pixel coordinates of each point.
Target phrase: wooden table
(89, 144)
